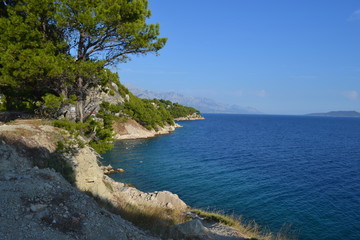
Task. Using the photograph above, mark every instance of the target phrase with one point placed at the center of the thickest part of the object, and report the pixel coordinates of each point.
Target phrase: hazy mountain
(337, 114)
(204, 105)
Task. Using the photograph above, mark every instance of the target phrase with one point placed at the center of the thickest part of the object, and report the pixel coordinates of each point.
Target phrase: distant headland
(337, 114)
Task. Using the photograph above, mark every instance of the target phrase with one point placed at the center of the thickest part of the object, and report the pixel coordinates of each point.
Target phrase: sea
(302, 171)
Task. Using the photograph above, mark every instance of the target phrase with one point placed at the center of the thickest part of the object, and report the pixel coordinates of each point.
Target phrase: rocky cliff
(38, 203)
(130, 129)
(191, 117)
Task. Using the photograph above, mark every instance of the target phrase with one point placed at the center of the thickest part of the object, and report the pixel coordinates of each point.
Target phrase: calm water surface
(273, 169)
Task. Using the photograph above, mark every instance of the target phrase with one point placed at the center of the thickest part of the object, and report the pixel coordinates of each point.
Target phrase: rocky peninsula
(38, 203)
(191, 117)
(130, 129)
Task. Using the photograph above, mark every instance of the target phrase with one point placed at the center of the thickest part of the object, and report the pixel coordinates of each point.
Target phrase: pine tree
(62, 47)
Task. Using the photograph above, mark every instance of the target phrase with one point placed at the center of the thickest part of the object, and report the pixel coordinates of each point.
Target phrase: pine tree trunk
(80, 102)
(79, 111)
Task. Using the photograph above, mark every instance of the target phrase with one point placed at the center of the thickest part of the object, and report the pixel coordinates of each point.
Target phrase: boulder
(169, 199)
(37, 207)
(110, 170)
(193, 229)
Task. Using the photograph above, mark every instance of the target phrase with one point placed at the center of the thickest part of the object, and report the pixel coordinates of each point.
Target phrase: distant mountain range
(204, 105)
(337, 114)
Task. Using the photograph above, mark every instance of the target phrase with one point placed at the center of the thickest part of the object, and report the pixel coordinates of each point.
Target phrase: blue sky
(279, 56)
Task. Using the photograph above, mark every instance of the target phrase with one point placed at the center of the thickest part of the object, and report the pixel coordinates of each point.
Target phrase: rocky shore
(133, 130)
(191, 117)
(38, 203)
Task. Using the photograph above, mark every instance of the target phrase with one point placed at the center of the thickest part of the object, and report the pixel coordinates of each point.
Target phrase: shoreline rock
(191, 117)
(108, 170)
(133, 130)
(43, 205)
(25, 145)
(40, 204)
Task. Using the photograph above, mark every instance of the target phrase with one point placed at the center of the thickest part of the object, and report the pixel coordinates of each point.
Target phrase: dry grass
(17, 134)
(29, 130)
(248, 228)
(32, 122)
(217, 217)
(119, 125)
(157, 220)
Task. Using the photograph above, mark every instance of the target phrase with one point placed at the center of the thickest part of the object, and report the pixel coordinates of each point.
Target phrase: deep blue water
(273, 169)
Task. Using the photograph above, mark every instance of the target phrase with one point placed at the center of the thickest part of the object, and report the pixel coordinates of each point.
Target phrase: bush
(176, 110)
(98, 131)
(147, 112)
(63, 167)
(50, 106)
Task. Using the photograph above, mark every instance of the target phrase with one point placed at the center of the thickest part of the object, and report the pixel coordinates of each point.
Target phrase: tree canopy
(55, 54)
(108, 30)
(63, 47)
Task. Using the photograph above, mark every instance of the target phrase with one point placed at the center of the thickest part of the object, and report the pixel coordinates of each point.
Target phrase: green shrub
(122, 89)
(98, 138)
(74, 128)
(176, 110)
(62, 166)
(2, 103)
(98, 131)
(147, 112)
(50, 105)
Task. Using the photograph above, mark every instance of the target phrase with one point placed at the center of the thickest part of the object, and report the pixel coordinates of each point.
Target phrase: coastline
(27, 145)
(88, 175)
(130, 129)
(189, 118)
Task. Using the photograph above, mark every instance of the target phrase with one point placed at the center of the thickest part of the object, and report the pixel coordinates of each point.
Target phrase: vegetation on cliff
(176, 110)
(54, 57)
(63, 47)
(152, 113)
(147, 112)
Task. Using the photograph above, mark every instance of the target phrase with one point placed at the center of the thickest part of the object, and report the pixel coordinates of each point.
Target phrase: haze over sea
(273, 169)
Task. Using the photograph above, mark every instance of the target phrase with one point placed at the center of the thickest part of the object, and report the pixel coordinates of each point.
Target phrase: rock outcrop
(110, 170)
(27, 144)
(94, 99)
(37, 142)
(193, 229)
(133, 130)
(91, 178)
(39, 204)
(194, 116)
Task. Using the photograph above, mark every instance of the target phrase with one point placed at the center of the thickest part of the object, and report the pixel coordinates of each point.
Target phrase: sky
(278, 56)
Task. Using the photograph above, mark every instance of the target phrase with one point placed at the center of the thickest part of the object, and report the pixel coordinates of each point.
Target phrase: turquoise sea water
(273, 169)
